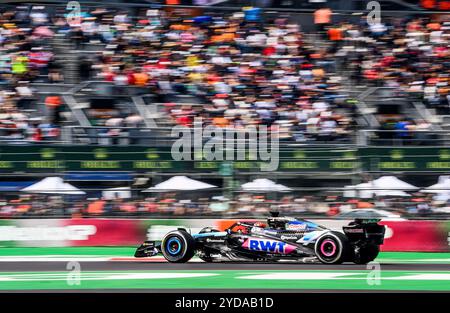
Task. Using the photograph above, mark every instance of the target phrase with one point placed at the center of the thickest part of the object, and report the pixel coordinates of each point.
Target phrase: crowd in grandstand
(411, 55)
(26, 56)
(248, 71)
(244, 69)
(244, 72)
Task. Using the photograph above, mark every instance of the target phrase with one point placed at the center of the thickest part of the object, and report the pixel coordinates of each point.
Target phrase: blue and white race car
(280, 238)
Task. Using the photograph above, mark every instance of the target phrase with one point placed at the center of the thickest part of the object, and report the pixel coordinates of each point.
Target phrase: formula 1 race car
(282, 238)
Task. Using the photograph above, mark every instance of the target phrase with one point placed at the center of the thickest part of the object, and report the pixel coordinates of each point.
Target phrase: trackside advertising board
(73, 158)
(426, 236)
(429, 236)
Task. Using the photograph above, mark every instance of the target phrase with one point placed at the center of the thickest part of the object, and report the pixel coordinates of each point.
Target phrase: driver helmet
(260, 224)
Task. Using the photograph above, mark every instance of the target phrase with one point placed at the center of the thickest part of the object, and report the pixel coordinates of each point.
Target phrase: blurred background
(361, 110)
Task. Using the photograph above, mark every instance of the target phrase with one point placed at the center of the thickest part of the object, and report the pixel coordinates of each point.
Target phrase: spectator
(53, 104)
(322, 19)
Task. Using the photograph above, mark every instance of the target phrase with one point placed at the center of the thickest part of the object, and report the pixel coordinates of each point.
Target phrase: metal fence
(164, 136)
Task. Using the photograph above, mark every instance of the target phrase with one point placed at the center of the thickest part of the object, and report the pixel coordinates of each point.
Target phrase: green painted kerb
(230, 279)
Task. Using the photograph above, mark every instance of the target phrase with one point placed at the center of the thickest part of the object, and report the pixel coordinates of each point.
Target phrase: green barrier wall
(143, 159)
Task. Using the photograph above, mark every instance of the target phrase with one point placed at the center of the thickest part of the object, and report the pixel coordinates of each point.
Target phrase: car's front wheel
(178, 246)
(332, 248)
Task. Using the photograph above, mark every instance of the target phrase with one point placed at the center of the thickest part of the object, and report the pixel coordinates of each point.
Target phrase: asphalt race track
(195, 266)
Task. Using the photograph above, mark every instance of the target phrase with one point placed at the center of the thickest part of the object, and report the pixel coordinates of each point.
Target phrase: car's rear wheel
(366, 254)
(178, 246)
(332, 248)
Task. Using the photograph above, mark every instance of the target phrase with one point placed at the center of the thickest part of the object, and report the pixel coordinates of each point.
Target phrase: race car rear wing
(365, 230)
(367, 220)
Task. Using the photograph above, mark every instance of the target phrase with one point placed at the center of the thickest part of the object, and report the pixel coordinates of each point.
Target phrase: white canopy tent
(264, 185)
(393, 183)
(179, 183)
(53, 185)
(441, 189)
(117, 193)
(383, 186)
(442, 186)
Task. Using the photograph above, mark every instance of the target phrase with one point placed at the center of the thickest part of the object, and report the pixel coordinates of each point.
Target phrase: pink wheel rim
(325, 247)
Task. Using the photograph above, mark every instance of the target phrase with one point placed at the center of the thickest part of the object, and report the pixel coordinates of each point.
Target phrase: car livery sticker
(296, 226)
(300, 225)
(266, 245)
(310, 237)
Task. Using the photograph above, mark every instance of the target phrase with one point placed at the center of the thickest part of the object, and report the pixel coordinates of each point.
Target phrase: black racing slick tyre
(366, 254)
(178, 246)
(332, 248)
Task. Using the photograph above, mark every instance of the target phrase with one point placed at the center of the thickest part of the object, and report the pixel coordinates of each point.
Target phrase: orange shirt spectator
(53, 101)
(180, 27)
(23, 208)
(223, 37)
(434, 26)
(220, 122)
(96, 207)
(444, 5)
(128, 207)
(335, 34)
(141, 79)
(428, 4)
(322, 16)
(364, 205)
